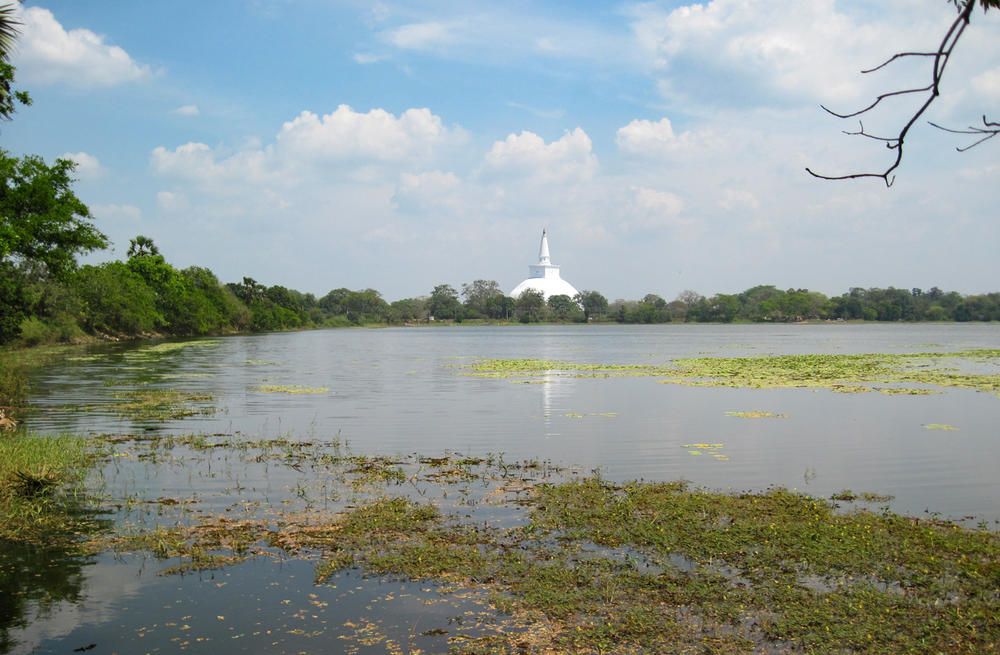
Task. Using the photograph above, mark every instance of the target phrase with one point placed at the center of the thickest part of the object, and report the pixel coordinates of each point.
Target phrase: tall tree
(40, 218)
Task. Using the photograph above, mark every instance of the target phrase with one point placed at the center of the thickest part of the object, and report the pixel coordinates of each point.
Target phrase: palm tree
(9, 29)
(142, 246)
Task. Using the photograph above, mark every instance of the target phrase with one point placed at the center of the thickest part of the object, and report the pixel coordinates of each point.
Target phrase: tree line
(45, 296)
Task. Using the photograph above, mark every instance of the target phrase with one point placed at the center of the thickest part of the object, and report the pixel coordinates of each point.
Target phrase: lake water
(402, 391)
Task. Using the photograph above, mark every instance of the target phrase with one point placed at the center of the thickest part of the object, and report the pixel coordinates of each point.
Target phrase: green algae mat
(915, 373)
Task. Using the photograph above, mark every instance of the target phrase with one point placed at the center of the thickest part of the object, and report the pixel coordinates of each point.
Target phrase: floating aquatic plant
(892, 373)
(756, 414)
(288, 388)
(160, 404)
(709, 448)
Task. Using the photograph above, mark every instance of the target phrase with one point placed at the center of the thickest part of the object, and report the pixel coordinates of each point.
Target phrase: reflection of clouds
(106, 584)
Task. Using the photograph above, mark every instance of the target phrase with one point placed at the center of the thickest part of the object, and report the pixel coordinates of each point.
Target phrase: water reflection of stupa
(544, 276)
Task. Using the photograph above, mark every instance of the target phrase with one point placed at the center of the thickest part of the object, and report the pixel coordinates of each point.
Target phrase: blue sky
(403, 145)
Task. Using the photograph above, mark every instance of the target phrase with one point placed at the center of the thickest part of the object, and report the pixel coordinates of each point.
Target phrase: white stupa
(544, 276)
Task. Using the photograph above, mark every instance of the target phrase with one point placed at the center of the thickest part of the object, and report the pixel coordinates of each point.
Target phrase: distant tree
(721, 308)
(333, 303)
(563, 308)
(283, 297)
(480, 297)
(408, 309)
(443, 303)
(652, 309)
(501, 306)
(530, 305)
(760, 303)
(677, 309)
(142, 246)
(690, 298)
(594, 304)
(117, 300)
(366, 306)
(654, 300)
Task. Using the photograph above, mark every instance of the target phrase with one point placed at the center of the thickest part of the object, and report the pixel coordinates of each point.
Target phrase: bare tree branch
(988, 130)
(941, 57)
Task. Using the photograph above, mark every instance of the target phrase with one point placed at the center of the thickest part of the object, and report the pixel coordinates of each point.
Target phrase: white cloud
(171, 201)
(651, 209)
(568, 159)
(801, 49)
(186, 110)
(434, 181)
(657, 139)
(365, 58)
(377, 136)
(87, 166)
(422, 36)
(430, 191)
(987, 84)
(738, 199)
(48, 54)
(210, 169)
(506, 34)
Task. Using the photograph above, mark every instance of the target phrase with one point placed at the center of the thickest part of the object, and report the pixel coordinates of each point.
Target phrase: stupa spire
(543, 251)
(544, 276)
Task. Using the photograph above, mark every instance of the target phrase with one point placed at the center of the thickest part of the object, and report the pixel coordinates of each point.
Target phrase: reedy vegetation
(592, 565)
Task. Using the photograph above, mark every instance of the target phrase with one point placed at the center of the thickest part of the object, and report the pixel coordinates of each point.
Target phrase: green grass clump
(40, 488)
(33, 465)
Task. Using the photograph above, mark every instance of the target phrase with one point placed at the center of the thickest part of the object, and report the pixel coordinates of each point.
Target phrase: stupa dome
(544, 276)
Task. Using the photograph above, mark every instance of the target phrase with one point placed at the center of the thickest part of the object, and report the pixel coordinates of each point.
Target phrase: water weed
(756, 414)
(161, 404)
(589, 565)
(288, 388)
(41, 496)
(844, 373)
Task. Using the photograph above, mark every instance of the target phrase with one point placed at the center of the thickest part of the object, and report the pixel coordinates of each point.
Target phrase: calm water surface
(402, 391)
